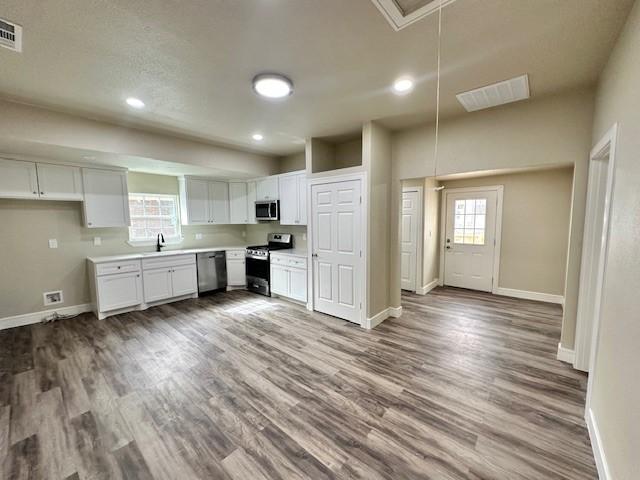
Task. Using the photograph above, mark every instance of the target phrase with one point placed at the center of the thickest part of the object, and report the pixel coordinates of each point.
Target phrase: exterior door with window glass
(470, 239)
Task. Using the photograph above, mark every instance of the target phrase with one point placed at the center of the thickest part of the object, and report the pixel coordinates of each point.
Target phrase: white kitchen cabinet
(18, 179)
(289, 276)
(251, 202)
(194, 198)
(219, 198)
(236, 273)
(157, 284)
(238, 209)
(204, 202)
(106, 198)
(59, 182)
(184, 280)
(169, 277)
(120, 290)
(279, 280)
(293, 199)
(267, 188)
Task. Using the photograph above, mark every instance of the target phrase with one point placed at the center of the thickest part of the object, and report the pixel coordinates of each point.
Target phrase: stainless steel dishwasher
(212, 271)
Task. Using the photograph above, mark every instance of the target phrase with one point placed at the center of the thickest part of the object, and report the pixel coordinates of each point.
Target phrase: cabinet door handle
(35, 193)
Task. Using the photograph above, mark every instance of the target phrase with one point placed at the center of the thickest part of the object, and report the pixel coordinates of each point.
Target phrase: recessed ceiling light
(272, 85)
(135, 102)
(257, 137)
(403, 86)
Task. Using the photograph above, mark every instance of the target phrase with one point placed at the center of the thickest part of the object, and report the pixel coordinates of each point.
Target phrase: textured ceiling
(192, 62)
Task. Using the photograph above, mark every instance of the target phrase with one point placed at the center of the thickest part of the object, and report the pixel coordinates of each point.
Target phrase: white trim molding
(528, 295)
(428, 287)
(597, 447)
(397, 18)
(565, 354)
(380, 317)
(36, 317)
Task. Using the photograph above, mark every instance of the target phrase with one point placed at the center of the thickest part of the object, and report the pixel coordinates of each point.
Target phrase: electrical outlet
(97, 241)
(304, 237)
(198, 236)
(53, 298)
(244, 234)
(53, 243)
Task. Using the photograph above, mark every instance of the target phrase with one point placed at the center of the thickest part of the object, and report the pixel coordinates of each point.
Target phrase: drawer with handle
(235, 254)
(297, 262)
(279, 260)
(110, 268)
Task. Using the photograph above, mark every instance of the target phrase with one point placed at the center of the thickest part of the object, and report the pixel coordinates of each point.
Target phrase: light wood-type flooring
(463, 386)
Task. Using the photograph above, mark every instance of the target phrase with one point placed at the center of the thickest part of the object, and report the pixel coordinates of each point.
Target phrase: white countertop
(292, 252)
(165, 253)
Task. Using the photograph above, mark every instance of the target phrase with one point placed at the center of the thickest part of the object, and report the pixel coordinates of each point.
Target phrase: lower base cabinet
(120, 290)
(236, 271)
(289, 277)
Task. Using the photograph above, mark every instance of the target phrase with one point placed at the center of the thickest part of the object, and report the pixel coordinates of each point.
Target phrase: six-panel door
(337, 249)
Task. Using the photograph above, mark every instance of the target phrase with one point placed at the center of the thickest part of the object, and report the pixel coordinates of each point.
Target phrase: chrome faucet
(158, 245)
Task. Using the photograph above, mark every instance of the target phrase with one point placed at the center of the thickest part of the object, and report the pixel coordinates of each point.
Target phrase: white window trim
(147, 243)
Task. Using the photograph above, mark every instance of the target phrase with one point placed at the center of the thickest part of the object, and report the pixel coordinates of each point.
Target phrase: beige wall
(535, 227)
(616, 388)
(550, 131)
(28, 267)
(292, 163)
(349, 154)
(377, 162)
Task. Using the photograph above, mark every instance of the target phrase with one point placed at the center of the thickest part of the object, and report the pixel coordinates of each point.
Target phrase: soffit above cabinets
(402, 13)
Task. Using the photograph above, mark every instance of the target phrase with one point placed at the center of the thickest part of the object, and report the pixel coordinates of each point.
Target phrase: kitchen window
(152, 214)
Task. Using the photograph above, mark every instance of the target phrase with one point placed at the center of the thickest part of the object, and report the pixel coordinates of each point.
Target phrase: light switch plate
(53, 243)
(198, 236)
(97, 241)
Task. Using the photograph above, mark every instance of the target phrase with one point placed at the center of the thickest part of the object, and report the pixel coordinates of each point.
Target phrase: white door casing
(337, 249)
(409, 237)
(470, 240)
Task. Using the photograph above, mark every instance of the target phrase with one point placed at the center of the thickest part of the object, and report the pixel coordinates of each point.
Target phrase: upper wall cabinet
(293, 199)
(21, 179)
(251, 202)
(106, 198)
(238, 202)
(267, 188)
(204, 202)
(59, 182)
(18, 179)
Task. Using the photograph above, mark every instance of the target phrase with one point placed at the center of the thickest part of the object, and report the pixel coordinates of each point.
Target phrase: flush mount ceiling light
(135, 102)
(403, 85)
(272, 85)
(257, 137)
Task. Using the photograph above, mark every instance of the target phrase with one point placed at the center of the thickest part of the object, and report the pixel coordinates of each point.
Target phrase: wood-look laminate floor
(462, 386)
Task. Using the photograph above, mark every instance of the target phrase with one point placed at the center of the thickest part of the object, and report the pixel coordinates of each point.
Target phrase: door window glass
(469, 222)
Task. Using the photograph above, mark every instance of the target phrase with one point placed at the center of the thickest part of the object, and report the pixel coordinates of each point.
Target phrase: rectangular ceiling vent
(402, 13)
(500, 93)
(10, 35)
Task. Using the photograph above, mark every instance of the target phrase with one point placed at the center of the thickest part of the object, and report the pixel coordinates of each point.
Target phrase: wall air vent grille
(10, 35)
(499, 93)
(402, 13)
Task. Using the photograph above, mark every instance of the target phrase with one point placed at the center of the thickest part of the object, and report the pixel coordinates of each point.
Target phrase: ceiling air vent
(402, 13)
(499, 93)
(10, 35)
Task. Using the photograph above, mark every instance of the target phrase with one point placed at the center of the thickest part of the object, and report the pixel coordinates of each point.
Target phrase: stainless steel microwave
(269, 210)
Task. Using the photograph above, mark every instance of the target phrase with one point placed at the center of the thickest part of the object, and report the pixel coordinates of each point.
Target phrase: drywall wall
(535, 227)
(292, 163)
(615, 401)
(377, 162)
(257, 234)
(25, 124)
(29, 267)
(550, 131)
(348, 154)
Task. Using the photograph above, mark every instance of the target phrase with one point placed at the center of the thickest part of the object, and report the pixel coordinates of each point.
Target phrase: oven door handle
(255, 257)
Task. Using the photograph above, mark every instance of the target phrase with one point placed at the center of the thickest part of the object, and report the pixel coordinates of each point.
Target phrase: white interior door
(409, 240)
(469, 247)
(337, 262)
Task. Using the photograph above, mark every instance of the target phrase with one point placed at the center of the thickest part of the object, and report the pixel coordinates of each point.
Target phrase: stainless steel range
(258, 265)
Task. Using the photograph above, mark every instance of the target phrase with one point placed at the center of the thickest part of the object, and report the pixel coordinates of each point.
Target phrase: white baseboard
(31, 318)
(597, 447)
(527, 295)
(428, 287)
(378, 318)
(566, 354)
